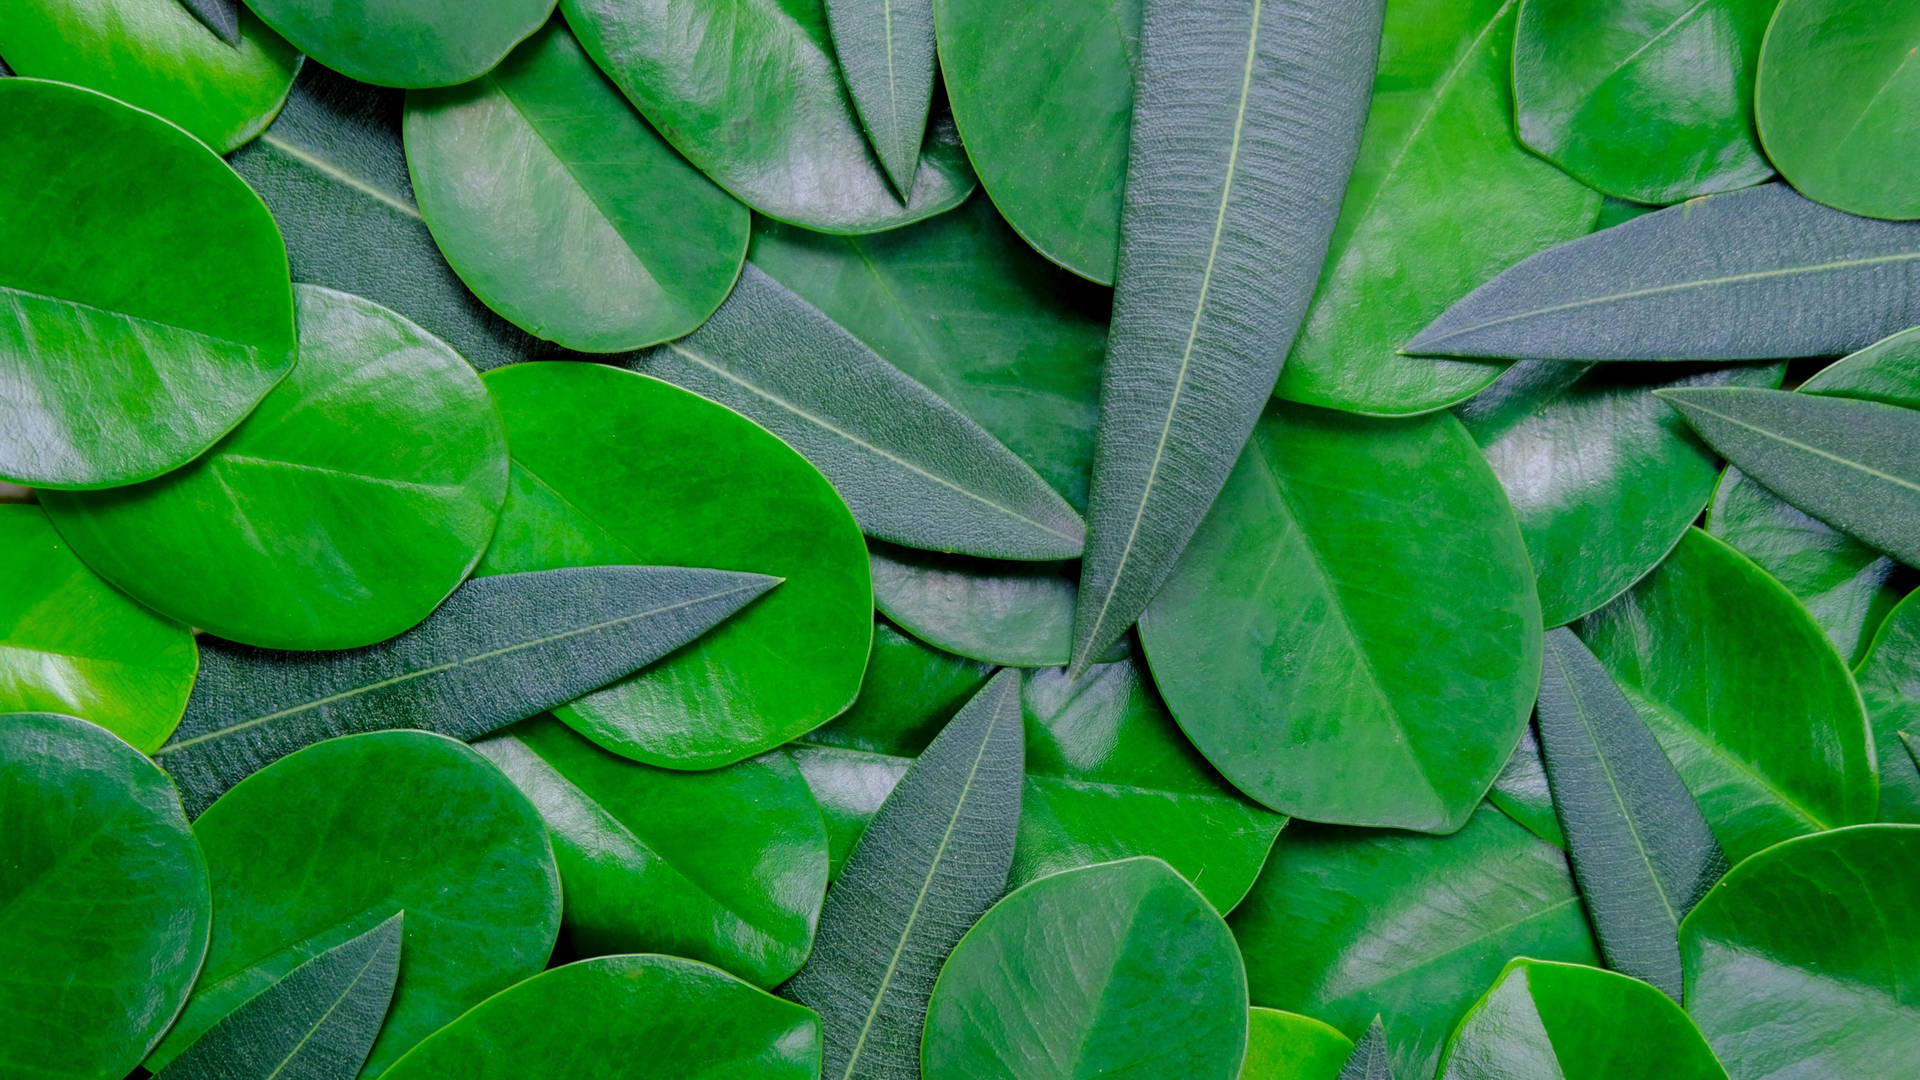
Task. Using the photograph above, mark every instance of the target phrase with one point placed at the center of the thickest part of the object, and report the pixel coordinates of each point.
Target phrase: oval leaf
(1889, 679)
(1287, 1046)
(1015, 613)
(885, 51)
(405, 42)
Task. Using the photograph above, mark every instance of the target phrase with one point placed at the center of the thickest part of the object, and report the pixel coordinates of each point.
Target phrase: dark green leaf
(105, 897)
(752, 95)
(220, 16)
(934, 859)
(1641, 853)
(1287, 1046)
(499, 650)
(885, 50)
(1521, 792)
(1750, 275)
(1075, 975)
(340, 513)
(914, 469)
(1263, 106)
(146, 290)
(318, 1023)
(1369, 1060)
(1889, 679)
(410, 43)
(1015, 613)
(1801, 962)
(1353, 635)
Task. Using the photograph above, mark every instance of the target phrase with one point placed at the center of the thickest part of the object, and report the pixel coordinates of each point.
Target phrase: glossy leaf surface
(1800, 963)
(1328, 640)
(318, 1023)
(1068, 977)
(326, 843)
(589, 1021)
(1287, 1046)
(1641, 853)
(1051, 151)
(1649, 100)
(405, 42)
(610, 467)
(1015, 613)
(934, 859)
(1750, 275)
(1210, 290)
(74, 645)
(1570, 1022)
(105, 896)
(1760, 717)
(146, 290)
(886, 56)
(1889, 679)
(726, 867)
(587, 229)
(1347, 924)
(340, 513)
(1521, 791)
(1443, 197)
(500, 649)
(752, 95)
(156, 55)
(913, 469)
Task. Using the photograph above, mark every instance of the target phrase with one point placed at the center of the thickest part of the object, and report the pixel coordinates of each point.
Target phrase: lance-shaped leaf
(914, 469)
(1369, 1060)
(318, 1023)
(1758, 274)
(1853, 464)
(933, 861)
(1641, 851)
(220, 16)
(499, 650)
(885, 49)
(1245, 128)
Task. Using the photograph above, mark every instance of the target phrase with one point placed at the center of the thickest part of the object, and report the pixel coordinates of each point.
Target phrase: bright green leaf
(1287, 1046)
(405, 42)
(1889, 679)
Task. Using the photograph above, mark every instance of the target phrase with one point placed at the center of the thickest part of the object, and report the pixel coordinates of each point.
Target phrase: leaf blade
(886, 58)
(1369, 1060)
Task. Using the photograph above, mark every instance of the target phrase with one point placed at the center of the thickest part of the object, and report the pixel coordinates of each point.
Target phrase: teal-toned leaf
(318, 1023)
(1889, 679)
(1521, 791)
(1247, 121)
(412, 43)
(1369, 1060)
(1641, 853)
(886, 57)
(1288, 1046)
(499, 650)
(934, 860)
(220, 16)
(914, 469)
(1758, 274)
(1015, 613)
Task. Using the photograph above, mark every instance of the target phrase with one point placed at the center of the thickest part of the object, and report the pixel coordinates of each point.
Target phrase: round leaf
(405, 42)
(1286, 1046)
(1015, 613)
(341, 512)
(1889, 679)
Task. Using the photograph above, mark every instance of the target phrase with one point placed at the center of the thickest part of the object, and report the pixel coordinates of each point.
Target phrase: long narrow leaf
(1369, 1060)
(885, 49)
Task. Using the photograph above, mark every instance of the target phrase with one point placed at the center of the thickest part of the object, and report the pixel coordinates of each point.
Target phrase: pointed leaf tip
(1369, 1059)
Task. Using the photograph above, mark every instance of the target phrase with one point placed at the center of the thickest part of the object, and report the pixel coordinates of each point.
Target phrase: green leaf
(1851, 463)
(1348, 924)
(499, 650)
(914, 469)
(1286, 1046)
(1649, 100)
(1353, 635)
(73, 644)
(590, 231)
(644, 868)
(1015, 613)
(328, 842)
(1913, 747)
(885, 50)
(105, 896)
(1889, 680)
(1835, 101)
(340, 513)
(1412, 235)
(157, 55)
(1800, 963)
(604, 1018)
(1051, 152)
(318, 1023)
(1745, 693)
(1757, 274)
(412, 43)
(752, 95)
(610, 468)
(1370, 1059)
(934, 860)
(1604, 478)
(1521, 791)
(1069, 976)
(145, 287)
(1268, 102)
(1641, 853)
(1575, 1023)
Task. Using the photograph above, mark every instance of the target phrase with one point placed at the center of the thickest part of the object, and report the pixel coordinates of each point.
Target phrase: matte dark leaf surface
(1015, 613)
(220, 16)
(1066, 978)
(318, 1023)
(1758, 274)
(145, 287)
(1288, 1046)
(1262, 103)
(934, 859)
(105, 897)
(914, 469)
(1889, 679)
(1369, 1060)
(405, 42)
(340, 513)
(1641, 853)
(886, 54)
(501, 649)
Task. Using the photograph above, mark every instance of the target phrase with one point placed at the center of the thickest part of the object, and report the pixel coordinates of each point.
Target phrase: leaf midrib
(1782, 438)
